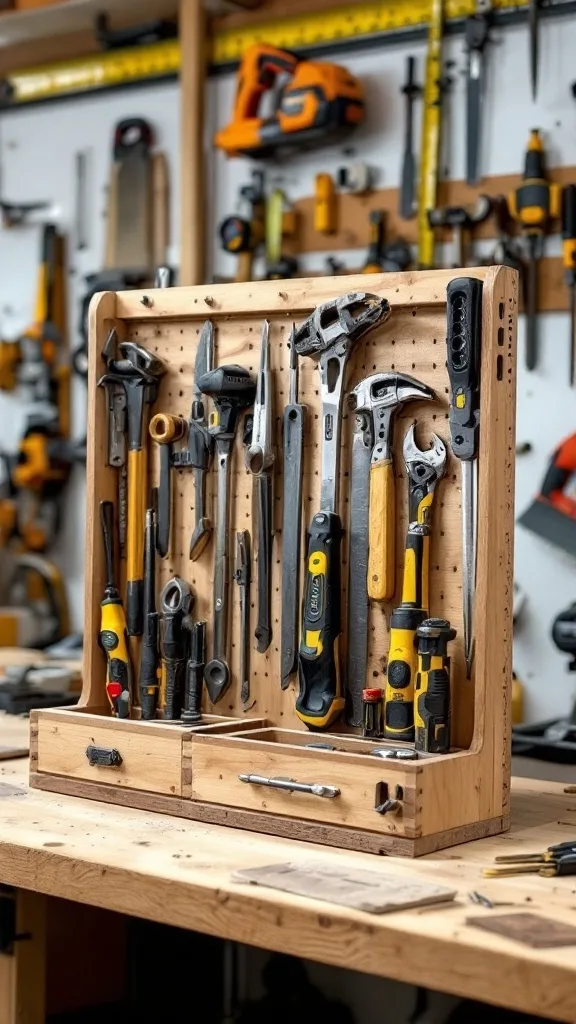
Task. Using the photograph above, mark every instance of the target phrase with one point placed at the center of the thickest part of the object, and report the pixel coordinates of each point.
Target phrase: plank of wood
(150, 765)
(534, 930)
(151, 866)
(192, 29)
(369, 891)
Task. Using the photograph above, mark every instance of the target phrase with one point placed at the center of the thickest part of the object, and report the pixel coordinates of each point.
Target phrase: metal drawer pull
(105, 757)
(291, 786)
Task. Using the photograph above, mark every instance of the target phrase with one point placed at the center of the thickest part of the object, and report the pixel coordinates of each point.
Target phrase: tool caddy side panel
(445, 799)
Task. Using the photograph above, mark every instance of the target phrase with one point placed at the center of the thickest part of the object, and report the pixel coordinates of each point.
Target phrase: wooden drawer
(363, 782)
(151, 753)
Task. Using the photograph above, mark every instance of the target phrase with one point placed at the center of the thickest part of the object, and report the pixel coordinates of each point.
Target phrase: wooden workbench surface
(179, 872)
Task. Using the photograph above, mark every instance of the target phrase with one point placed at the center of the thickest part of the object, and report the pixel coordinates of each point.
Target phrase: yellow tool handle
(113, 641)
(137, 470)
(401, 674)
(432, 704)
(381, 532)
(165, 428)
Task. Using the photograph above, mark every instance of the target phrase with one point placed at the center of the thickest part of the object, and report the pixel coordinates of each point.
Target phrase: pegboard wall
(411, 341)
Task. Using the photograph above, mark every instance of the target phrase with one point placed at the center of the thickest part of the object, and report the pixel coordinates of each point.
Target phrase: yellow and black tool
(432, 691)
(319, 100)
(113, 638)
(534, 203)
(569, 263)
(328, 335)
(424, 469)
(325, 209)
(242, 236)
(384, 257)
(137, 372)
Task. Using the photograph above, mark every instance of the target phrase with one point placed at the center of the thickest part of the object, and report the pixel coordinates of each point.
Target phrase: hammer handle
(381, 532)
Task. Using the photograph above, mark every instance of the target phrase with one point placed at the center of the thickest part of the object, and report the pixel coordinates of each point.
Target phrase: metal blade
(468, 559)
(358, 569)
(204, 363)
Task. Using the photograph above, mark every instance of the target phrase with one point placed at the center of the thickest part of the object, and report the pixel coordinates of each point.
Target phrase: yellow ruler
(338, 26)
(430, 144)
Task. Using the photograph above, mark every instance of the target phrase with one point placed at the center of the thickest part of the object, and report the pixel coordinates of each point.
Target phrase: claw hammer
(328, 335)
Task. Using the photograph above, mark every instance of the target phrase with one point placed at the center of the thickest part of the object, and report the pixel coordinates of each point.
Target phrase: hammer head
(388, 391)
(341, 321)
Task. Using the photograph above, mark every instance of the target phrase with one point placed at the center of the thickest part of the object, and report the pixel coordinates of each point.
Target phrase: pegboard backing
(264, 740)
(412, 341)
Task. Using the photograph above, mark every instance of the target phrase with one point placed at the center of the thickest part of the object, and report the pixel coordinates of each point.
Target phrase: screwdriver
(463, 342)
(113, 638)
(569, 261)
(533, 203)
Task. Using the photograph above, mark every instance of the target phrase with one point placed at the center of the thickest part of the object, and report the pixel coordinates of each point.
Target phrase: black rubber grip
(135, 607)
(318, 661)
(175, 680)
(569, 212)
(149, 668)
(263, 631)
(463, 343)
(164, 502)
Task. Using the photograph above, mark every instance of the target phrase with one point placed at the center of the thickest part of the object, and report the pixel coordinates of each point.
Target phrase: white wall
(37, 160)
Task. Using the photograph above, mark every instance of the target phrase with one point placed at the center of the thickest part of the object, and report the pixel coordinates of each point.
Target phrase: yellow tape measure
(122, 67)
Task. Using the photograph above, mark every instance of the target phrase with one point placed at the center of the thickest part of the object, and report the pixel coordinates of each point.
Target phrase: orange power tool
(317, 100)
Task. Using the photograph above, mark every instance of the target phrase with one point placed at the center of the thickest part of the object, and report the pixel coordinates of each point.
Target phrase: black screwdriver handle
(463, 343)
(149, 681)
(320, 699)
(569, 227)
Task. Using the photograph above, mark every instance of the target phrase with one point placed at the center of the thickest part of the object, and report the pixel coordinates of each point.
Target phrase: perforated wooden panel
(413, 341)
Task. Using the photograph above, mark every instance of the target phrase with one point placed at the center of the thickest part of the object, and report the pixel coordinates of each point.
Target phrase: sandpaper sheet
(530, 929)
(372, 891)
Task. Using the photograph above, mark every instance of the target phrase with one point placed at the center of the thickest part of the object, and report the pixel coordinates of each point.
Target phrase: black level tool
(149, 659)
(113, 637)
(569, 262)
(407, 197)
(192, 713)
(432, 692)
(463, 343)
(533, 204)
(175, 603)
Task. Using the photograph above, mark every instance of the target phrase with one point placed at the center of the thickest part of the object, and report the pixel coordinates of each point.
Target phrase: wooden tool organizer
(194, 772)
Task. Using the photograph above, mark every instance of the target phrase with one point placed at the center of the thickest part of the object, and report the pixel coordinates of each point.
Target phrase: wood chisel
(464, 341)
(293, 439)
(328, 335)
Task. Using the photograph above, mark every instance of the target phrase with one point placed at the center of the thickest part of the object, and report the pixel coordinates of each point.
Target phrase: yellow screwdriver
(113, 638)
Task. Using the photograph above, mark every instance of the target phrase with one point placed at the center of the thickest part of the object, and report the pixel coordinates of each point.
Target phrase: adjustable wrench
(424, 470)
(374, 400)
(260, 458)
(328, 336)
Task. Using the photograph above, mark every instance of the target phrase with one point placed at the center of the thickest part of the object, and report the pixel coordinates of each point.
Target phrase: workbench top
(179, 872)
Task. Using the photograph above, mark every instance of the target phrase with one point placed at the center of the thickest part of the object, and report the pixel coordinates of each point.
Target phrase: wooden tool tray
(438, 800)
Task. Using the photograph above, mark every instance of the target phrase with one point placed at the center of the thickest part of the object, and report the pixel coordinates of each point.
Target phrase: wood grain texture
(192, 31)
(382, 533)
(151, 865)
(23, 970)
(149, 764)
(412, 341)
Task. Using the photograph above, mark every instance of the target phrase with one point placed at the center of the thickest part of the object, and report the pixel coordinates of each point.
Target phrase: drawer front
(217, 764)
(130, 756)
